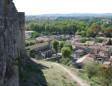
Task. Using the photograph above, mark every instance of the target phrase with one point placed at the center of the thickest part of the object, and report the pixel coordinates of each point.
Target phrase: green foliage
(30, 42)
(64, 61)
(108, 32)
(100, 73)
(34, 34)
(68, 45)
(55, 45)
(45, 33)
(62, 39)
(82, 33)
(105, 76)
(93, 30)
(92, 69)
(61, 44)
(84, 26)
(84, 40)
(66, 52)
(99, 40)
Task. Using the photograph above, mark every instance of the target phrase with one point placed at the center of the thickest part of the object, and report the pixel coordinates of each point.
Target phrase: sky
(37, 7)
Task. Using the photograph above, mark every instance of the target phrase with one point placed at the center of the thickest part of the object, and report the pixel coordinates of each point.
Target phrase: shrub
(34, 34)
(82, 33)
(92, 69)
(105, 76)
(62, 39)
(99, 40)
(84, 40)
(30, 42)
(68, 45)
(61, 44)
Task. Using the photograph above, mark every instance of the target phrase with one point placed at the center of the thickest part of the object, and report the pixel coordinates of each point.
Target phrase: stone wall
(11, 42)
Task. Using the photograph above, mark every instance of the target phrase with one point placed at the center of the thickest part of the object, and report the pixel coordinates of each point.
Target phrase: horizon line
(64, 13)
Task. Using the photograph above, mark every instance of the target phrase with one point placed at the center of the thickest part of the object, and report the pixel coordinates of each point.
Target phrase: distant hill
(74, 15)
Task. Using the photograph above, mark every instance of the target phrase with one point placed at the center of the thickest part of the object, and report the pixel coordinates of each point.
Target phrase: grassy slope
(42, 73)
(83, 75)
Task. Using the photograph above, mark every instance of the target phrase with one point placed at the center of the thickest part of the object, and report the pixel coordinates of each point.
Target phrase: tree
(93, 30)
(66, 52)
(82, 33)
(34, 34)
(61, 44)
(55, 45)
(68, 45)
(108, 32)
(106, 76)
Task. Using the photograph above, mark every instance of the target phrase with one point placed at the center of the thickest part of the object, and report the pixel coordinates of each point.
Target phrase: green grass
(91, 81)
(43, 73)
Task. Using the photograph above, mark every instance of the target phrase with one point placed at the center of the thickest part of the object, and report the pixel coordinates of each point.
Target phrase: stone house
(86, 59)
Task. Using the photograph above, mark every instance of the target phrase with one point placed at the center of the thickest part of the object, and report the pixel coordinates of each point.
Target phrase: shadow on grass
(32, 75)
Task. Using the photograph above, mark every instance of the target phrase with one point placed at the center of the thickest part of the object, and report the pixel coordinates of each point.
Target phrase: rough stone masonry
(11, 42)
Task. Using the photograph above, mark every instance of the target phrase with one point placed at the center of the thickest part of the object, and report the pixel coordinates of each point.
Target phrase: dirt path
(74, 76)
(79, 80)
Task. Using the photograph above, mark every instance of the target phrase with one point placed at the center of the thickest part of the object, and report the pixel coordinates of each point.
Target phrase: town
(90, 48)
(70, 47)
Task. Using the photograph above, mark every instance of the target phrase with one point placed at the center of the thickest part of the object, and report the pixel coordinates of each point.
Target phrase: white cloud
(64, 6)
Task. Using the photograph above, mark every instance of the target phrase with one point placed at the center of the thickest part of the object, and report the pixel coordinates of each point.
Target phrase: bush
(64, 61)
(84, 40)
(99, 40)
(34, 34)
(30, 42)
(92, 69)
(61, 44)
(68, 45)
(105, 76)
(62, 39)
(82, 33)
(45, 33)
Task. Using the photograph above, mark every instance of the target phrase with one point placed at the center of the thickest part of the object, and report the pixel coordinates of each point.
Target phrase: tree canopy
(55, 45)
(66, 52)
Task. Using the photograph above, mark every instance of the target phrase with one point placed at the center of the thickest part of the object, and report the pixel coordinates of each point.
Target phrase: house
(86, 59)
(79, 53)
(90, 43)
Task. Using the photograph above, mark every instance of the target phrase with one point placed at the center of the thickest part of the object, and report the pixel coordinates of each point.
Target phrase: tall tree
(61, 44)
(55, 45)
(66, 52)
(93, 30)
(108, 32)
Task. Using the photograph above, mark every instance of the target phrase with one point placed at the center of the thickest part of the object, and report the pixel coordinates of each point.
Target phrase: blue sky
(33, 7)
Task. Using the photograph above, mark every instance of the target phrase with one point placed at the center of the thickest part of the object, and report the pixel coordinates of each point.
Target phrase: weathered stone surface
(11, 42)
